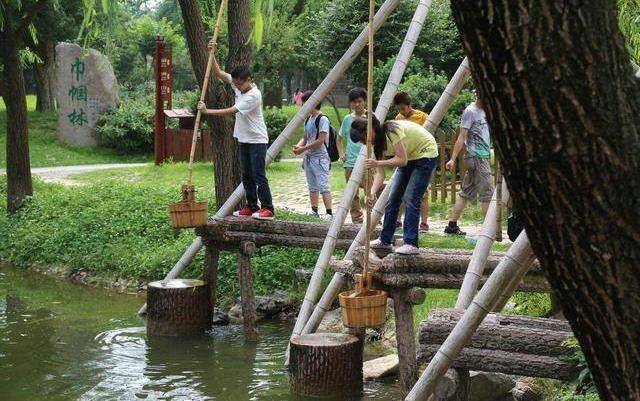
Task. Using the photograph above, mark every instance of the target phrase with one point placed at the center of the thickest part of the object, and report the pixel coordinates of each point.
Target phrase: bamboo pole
(435, 117)
(481, 251)
(320, 93)
(515, 262)
(353, 185)
(203, 92)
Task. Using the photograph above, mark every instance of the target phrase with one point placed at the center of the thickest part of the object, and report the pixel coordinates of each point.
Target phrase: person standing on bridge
(251, 132)
(413, 150)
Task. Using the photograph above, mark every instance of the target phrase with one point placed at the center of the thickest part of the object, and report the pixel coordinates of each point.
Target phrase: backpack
(332, 147)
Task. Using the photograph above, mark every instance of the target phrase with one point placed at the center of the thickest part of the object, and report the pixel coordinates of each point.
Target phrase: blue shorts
(317, 172)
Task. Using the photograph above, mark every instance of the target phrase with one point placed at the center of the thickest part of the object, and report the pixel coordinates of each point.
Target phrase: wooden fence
(446, 183)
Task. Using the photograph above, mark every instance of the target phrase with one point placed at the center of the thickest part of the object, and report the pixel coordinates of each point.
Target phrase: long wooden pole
(203, 92)
(370, 134)
(511, 268)
(320, 93)
(353, 185)
(435, 117)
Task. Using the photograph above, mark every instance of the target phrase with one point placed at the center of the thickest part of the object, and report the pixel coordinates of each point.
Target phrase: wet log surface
(178, 307)
(327, 365)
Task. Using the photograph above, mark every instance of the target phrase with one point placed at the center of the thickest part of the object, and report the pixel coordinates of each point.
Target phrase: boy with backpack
(318, 145)
(251, 132)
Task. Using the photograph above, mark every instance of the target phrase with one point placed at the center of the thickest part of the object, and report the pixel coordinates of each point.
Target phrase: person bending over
(251, 133)
(316, 161)
(414, 152)
(403, 103)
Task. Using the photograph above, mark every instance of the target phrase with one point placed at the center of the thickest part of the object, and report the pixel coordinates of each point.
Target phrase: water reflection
(63, 342)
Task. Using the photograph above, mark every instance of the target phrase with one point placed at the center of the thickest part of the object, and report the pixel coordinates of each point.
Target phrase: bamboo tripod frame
(353, 185)
(435, 117)
(321, 92)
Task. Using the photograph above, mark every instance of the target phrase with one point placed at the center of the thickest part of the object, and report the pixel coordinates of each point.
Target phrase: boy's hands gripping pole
(212, 47)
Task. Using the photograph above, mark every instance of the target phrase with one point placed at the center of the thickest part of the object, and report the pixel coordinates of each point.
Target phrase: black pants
(254, 178)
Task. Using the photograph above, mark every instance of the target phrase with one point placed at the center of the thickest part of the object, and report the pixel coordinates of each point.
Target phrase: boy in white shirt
(251, 133)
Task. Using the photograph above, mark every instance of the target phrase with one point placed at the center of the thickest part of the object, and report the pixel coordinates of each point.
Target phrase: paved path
(61, 174)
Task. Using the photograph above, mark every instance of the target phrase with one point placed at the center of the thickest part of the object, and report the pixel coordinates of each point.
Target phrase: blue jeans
(408, 186)
(254, 178)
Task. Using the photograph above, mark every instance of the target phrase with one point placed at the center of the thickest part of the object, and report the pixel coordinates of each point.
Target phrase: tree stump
(177, 307)
(327, 365)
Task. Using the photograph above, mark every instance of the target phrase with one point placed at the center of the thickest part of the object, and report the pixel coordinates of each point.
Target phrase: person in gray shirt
(478, 180)
(316, 160)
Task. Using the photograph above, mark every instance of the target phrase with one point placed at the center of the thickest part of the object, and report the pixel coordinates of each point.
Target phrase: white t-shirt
(311, 134)
(250, 126)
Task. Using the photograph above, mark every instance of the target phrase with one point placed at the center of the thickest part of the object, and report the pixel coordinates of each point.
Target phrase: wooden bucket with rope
(365, 306)
(188, 212)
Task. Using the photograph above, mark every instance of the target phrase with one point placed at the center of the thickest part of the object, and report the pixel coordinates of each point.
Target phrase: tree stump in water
(178, 307)
(326, 365)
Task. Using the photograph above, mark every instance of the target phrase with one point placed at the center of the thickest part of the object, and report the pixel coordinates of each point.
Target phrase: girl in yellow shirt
(413, 150)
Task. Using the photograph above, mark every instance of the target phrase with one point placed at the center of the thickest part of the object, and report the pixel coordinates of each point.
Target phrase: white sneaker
(378, 244)
(327, 217)
(407, 249)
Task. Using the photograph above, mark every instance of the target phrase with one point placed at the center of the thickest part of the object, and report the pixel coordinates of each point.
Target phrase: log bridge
(244, 235)
(516, 345)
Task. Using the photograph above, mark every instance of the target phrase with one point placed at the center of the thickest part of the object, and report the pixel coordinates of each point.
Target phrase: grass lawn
(45, 150)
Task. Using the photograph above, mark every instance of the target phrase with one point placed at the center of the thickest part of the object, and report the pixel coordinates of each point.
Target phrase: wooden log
(494, 335)
(326, 365)
(211, 258)
(231, 240)
(504, 362)
(247, 299)
(177, 307)
(408, 365)
(531, 283)
(435, 260)
(506, 320)
(216, 227)
(416, 296)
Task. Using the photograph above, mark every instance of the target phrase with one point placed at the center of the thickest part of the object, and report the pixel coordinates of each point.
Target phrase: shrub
(129, 127)
(276, 120)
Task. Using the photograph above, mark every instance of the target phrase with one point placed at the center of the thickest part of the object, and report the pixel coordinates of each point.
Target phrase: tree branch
(29, 16)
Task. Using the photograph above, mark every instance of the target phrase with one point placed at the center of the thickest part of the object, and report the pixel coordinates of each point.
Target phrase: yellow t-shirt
(418, 117)
(418, 142)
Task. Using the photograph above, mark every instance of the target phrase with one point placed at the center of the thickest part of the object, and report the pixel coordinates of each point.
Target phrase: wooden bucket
(367, 310)
(188, 214)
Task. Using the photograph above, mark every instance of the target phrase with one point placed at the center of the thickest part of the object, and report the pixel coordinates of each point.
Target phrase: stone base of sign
(86, 88)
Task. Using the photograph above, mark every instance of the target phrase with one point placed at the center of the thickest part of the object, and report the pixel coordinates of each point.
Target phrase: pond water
(60, 341)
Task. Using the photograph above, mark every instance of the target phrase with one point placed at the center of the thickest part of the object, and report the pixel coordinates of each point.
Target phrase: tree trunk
(326, 365)
(226, 158)
(273, 94)
(178, 308)
(19, 184)
(564, 110)
(45, 77)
